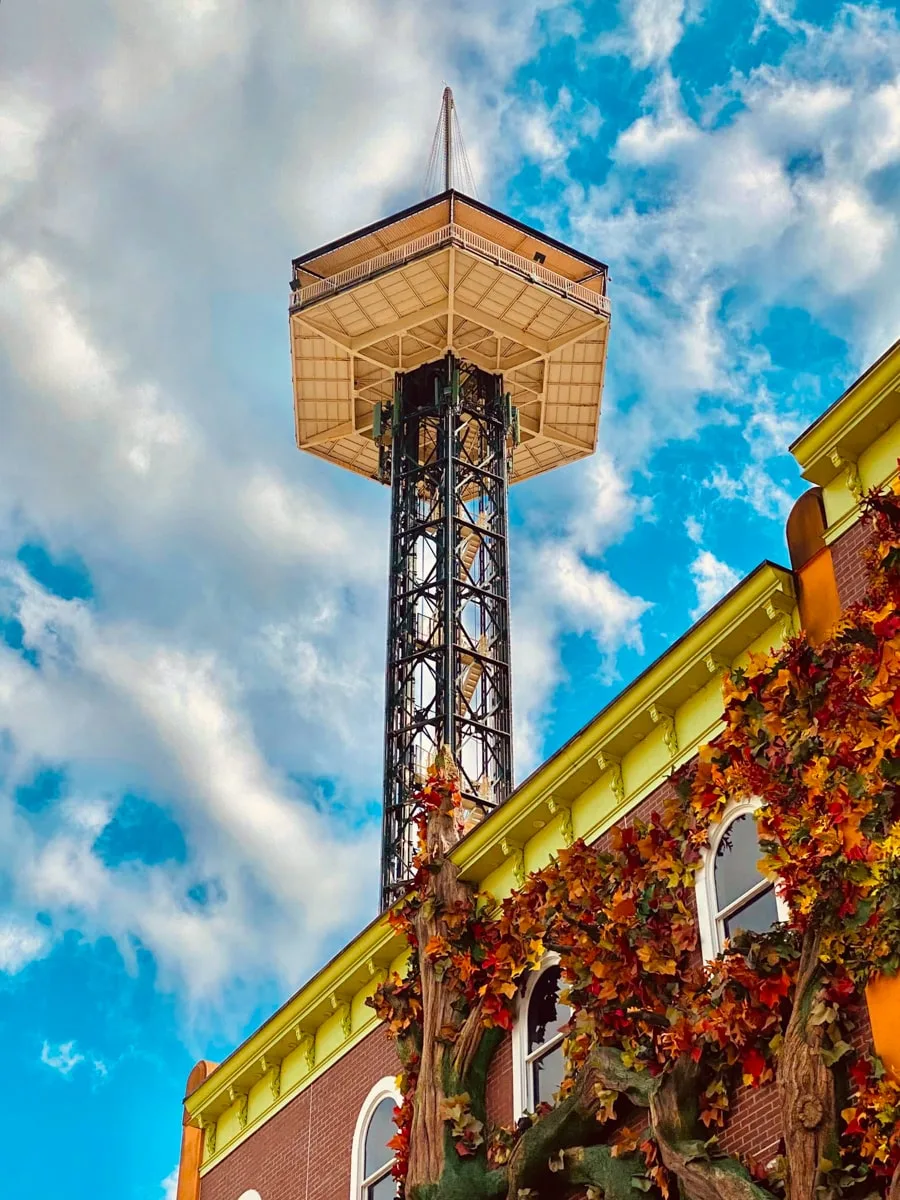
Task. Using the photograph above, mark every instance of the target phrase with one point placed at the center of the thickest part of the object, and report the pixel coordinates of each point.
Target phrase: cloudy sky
(192, 613)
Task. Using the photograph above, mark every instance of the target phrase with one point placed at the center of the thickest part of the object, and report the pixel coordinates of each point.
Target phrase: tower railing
(451, 234)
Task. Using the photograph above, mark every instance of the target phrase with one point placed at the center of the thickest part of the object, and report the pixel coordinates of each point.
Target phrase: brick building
(301, 1110)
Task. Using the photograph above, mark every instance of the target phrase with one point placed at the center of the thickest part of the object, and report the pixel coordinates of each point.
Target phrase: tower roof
(449, 273)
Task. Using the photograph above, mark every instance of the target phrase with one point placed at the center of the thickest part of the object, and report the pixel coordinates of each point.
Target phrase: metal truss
(448, 680)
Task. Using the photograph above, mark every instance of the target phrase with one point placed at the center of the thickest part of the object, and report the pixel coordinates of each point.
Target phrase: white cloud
(769, 431)
(754, 486)
(170, 1185)
(777, 12)
(279, 862)
(557, 587)
(23, 125)
(604, 506)
(777, 193)
(653, 30)
(592, 601)
(694, 529)
(20, 944)
(561, 592)
(63, 1058)
(712, 579)
(547, 128)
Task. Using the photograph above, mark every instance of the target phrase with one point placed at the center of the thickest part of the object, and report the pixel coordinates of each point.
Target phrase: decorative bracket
(784, 619)
(209, 1138)
(565, 819)
(716, 664)
(265, 1067)
(377, 975)
(517, 854)
(851, 474)
(243, 1105)
(612, 763)
(342, 1005)
(307, 1044)
(665, 719)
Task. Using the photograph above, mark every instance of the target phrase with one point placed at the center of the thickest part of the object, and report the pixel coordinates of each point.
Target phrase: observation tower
(447, 351)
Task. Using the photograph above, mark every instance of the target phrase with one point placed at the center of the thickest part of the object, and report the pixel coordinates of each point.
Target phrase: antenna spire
(448, 138)
(448, 163)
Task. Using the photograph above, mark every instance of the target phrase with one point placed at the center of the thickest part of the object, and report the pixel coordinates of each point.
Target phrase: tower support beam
(448, 676)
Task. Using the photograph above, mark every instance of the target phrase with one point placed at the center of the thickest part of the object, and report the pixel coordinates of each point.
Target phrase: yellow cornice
(650, 703)
(834, 442)
(306, 1010)
(765, 596)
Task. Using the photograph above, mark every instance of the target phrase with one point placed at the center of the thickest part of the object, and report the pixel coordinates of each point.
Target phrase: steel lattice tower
(447, 351)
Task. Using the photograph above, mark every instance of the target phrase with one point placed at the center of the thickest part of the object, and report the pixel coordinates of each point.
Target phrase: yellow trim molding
(854, 445)
(850, 426)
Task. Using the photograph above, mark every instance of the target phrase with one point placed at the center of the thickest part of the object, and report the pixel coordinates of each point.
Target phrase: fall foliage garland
(811, 732)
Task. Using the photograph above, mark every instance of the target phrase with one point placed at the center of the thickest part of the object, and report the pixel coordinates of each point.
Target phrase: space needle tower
(447, 352)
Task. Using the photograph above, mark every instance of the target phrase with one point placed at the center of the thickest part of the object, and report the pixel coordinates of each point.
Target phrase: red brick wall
(303, 1152)
(291, 1157)
(500, 1085)
(849, 566)
(754, 1126)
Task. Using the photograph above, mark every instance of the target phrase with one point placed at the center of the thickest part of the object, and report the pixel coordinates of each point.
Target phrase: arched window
(731, 893)
(538, 1060)
(370, 1175)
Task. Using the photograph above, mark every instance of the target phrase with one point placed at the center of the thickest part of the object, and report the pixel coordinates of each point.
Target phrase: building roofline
(670, 653)
(869, 406)
(768, 583)
(823, 417)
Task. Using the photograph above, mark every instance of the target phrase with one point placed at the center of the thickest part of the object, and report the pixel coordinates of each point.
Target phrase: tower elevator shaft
(448, 674)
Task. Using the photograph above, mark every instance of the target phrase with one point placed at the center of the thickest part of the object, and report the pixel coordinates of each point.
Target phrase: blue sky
(192, 613)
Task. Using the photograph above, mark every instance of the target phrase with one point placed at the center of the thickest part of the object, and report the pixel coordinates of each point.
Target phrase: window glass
(545, 1013)
(384, 1189)
(381, 1130)
(547, 1072)
(736, 859)
(756, 916)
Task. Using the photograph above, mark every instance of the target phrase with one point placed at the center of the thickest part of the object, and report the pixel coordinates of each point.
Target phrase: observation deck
(448, 275)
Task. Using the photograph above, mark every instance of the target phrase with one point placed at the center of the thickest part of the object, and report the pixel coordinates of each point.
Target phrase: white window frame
(384, 1089)
(523, 1084)
(710, 917)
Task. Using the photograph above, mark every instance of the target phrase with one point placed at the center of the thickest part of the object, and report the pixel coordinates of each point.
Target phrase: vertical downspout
(192, 1139)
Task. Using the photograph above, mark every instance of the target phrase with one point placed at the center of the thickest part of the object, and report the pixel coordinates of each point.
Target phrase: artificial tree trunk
(572, 1125)
(455, 1052)
(675, 1124)
(440, 1063)
(806, 1084)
